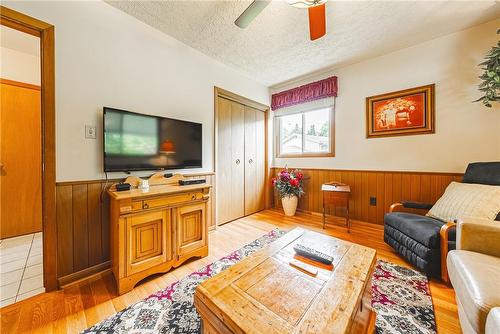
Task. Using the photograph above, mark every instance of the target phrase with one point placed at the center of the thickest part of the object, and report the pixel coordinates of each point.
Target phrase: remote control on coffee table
(312, 254)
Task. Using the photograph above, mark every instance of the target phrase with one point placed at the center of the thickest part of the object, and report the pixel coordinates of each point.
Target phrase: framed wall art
(401, 113)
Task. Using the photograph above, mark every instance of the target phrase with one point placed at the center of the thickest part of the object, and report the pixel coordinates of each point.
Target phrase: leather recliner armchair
(424, 241)
(474, 271)
(493, 321)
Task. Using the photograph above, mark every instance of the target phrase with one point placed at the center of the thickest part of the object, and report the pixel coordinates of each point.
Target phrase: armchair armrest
(417, 205)
(410, 205)
(443, 233)
(479, 235)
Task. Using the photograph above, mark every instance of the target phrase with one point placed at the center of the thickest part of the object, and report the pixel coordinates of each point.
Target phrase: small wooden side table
(336, 194)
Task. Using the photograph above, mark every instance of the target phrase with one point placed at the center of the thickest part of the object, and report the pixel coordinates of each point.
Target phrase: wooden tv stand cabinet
(153, 231)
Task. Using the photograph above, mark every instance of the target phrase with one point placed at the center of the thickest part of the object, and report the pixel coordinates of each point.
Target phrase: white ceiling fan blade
(251, 13)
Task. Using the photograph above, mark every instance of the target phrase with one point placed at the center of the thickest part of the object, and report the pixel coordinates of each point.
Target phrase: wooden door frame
(45, 32)
(219, 92)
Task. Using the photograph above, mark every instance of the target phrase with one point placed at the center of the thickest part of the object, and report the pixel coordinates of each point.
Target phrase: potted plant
(289, 187)
(490, 85)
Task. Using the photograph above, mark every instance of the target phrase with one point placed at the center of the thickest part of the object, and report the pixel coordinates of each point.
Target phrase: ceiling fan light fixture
(251, 13)
(316, 11)
(305, 3)
(317, 21)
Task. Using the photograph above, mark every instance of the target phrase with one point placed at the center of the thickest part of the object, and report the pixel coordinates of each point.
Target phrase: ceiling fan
(316, 9)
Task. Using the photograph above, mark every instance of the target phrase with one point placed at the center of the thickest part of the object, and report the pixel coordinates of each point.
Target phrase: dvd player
(191, 182)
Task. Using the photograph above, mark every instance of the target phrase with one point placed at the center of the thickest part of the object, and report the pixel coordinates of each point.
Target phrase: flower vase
(289, 204)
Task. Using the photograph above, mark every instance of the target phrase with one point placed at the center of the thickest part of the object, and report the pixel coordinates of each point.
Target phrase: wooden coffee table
(264, 294)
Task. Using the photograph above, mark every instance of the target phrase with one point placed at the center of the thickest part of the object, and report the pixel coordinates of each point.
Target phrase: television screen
(141, 142)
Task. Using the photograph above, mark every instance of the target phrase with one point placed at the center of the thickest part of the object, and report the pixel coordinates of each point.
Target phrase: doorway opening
(21, 275)
(27, 157)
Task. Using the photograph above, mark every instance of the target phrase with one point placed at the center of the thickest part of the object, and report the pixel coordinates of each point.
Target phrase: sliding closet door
(230, 160)
(254, 160)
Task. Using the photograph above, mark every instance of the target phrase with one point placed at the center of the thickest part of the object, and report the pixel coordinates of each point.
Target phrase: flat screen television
(135, 141)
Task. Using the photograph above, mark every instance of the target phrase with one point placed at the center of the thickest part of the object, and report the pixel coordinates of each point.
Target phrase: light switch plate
(90, 132)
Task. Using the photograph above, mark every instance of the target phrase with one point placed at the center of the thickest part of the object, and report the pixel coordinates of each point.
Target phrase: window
(308, 133)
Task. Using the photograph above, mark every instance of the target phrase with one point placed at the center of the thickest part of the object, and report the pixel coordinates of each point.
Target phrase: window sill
(307, 155)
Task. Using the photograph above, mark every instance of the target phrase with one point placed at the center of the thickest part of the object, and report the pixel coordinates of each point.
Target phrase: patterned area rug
(400, 297)
(401, 300)
(171, 310)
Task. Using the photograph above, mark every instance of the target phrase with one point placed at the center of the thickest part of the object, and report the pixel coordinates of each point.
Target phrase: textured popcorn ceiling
(276, 46)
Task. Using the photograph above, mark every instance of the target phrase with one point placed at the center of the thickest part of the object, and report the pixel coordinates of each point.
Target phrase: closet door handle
(250, 161)
(237, 161)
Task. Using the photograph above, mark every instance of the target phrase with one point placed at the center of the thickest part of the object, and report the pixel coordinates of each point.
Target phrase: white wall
(19, 66)
(19, 56)
(106, 58)
(465, 131)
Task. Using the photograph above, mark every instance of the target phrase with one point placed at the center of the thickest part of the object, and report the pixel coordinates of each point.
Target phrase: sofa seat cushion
(473, 276)
(422, 229)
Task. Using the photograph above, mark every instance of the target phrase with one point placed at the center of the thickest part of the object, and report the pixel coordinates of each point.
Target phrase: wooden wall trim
(373, 171)
(240, 99)
(45, 32)
(97, 270)
(76, 182)
(114, 180)
(387, 187)
(19, 84)
(22, 22)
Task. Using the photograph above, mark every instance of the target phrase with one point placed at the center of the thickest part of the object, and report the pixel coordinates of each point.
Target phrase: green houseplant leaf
(490, 85)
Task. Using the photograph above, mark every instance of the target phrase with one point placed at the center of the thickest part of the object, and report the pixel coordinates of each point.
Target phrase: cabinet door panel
(237, 200)
(250, 163)
(224, 161)
(191, 228)
(230, 160)
(260, 159)
(254, 160)
(148, 240)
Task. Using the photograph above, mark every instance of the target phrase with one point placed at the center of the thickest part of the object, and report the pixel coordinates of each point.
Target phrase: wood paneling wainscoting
(83, 240)
(387, 187)
(82, 305)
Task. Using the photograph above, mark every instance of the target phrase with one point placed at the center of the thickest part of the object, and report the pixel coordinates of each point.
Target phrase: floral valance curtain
(306, 93)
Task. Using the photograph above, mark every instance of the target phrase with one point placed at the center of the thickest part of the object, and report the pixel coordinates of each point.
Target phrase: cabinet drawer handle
(250, 161)
(237, 161)
(145, 206)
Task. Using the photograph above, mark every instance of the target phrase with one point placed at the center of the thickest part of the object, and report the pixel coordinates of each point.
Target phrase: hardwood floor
(83, 304)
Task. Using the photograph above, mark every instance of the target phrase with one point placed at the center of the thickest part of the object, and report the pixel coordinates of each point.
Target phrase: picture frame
(401, 113)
